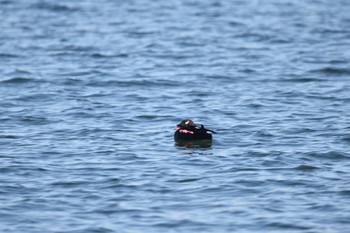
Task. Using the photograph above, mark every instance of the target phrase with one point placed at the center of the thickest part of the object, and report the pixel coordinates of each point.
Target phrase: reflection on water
(194, 143)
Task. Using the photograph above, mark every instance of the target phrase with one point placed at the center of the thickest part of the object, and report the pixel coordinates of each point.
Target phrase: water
(92, 90)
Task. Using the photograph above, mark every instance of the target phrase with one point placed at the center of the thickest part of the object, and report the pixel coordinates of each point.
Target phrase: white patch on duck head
(189, 122)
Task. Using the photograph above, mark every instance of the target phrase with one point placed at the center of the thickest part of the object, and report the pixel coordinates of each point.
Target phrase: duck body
(188, 131)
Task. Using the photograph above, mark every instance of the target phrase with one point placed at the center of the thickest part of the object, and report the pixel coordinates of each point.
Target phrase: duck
(187, 130)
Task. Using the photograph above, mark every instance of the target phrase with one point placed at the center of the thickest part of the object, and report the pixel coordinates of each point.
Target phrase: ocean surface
(90, 93)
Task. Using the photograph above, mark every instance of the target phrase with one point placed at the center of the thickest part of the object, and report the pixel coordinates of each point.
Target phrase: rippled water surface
(91, 92)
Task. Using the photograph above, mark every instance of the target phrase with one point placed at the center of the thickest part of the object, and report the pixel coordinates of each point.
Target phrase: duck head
(185, 124)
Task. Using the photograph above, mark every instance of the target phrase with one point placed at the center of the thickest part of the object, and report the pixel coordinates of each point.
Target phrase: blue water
(91, 92)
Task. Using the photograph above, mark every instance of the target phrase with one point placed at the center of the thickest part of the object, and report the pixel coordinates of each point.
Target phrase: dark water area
(90, 93)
